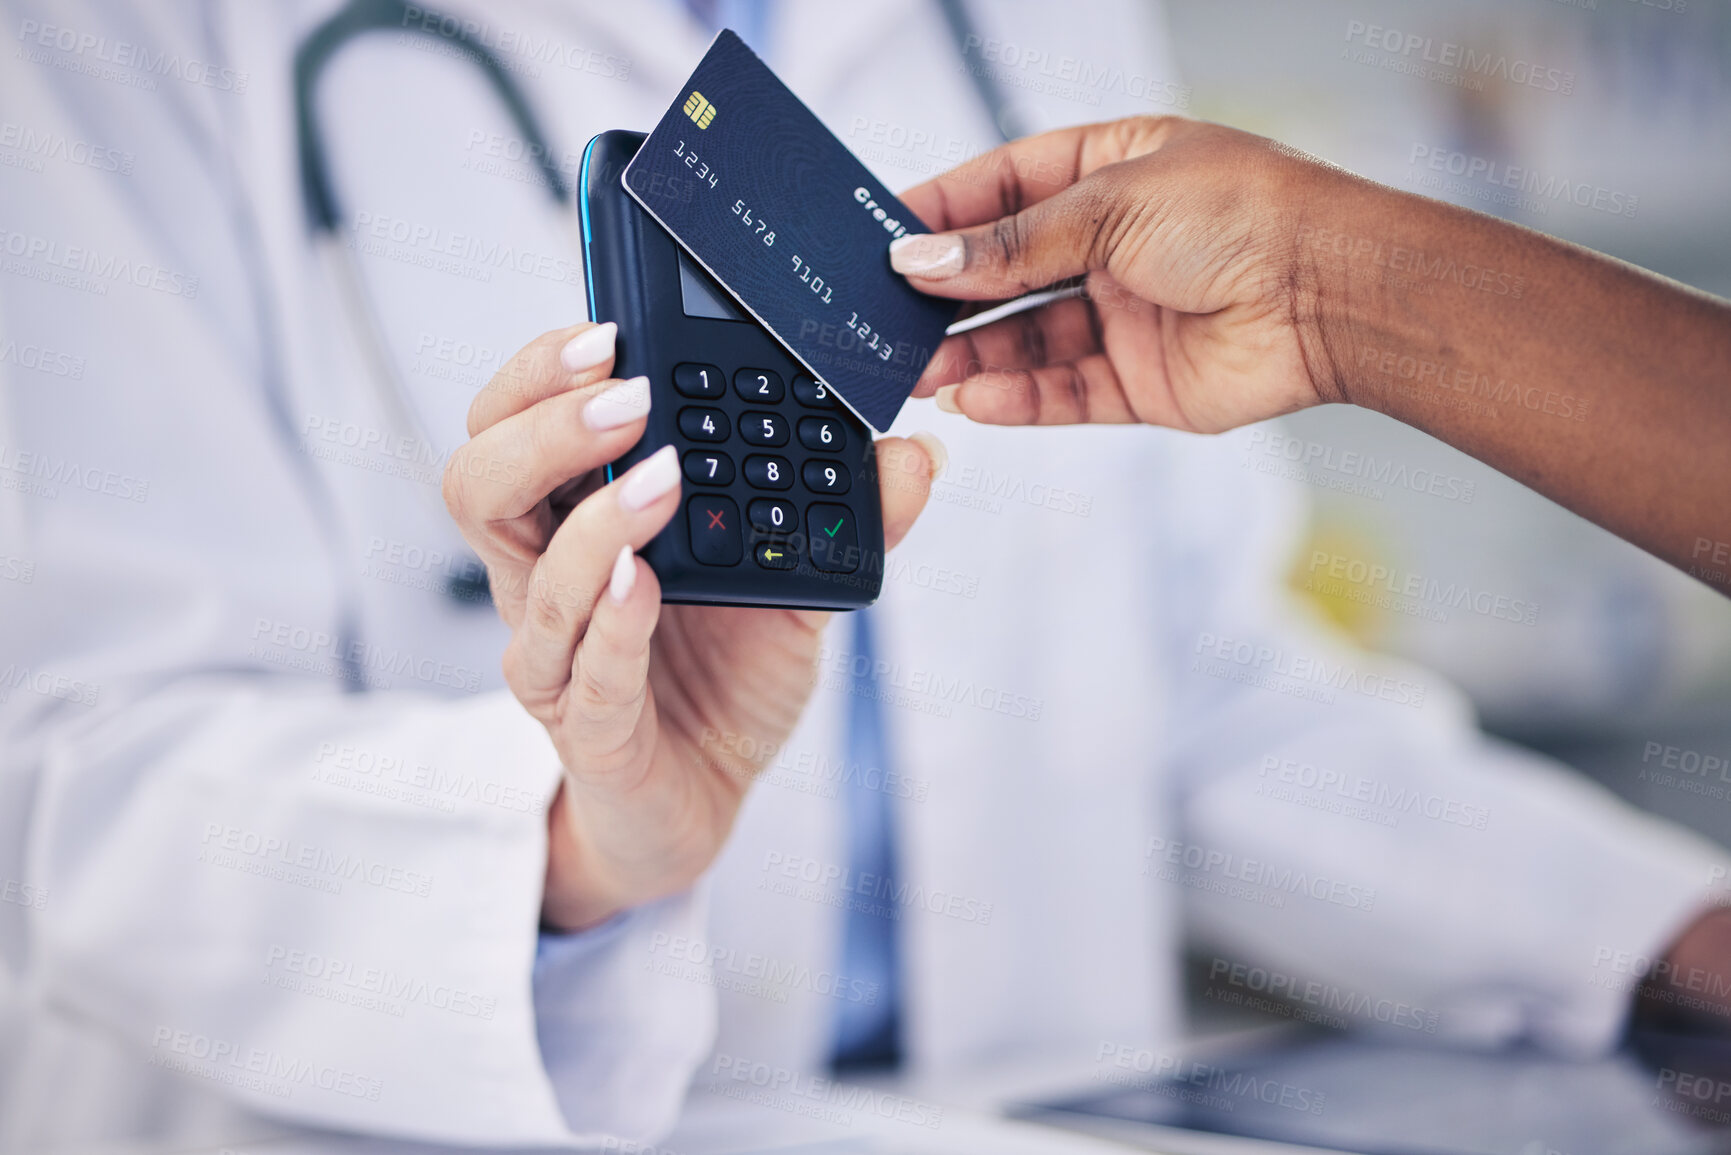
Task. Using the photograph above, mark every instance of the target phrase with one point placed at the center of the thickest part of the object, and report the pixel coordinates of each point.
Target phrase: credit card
(762, 195)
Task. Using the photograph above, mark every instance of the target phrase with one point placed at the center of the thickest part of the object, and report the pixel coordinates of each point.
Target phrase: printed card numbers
(815, 283)
(743, 212)
(700, 168)
(870, 338)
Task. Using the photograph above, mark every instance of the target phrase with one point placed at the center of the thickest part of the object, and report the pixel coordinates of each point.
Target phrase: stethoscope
(324, 214)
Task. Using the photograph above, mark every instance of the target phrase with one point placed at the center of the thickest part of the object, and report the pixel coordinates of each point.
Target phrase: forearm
(1602, 386)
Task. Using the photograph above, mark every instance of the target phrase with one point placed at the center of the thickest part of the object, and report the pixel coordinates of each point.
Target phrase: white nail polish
(589, 348)
(624, 578)
(624, 402)
(933, 256)
(650, 479)
(946, 397)
(935, 450)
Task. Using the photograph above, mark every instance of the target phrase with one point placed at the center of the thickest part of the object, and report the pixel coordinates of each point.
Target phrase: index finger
(1009, 178)
(564, 359)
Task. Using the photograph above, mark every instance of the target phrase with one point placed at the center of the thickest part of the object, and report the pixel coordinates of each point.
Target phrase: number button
(695, 380)
(834, 538)
(824, 433)
(766, 472)
(713, 521)
(757, 428)
(771, 516)
(811, 392)
(700, 424)
(709, 467)
(825, 476)
(758, 385)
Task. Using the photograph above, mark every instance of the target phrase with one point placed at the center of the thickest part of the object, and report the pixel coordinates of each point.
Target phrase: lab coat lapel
(1041, 766)
(775, 952)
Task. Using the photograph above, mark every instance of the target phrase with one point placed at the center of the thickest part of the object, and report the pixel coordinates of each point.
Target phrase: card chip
(699, 109)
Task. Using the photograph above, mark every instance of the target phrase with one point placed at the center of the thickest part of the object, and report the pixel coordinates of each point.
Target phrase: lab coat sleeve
(1347, 828)
(326, 905)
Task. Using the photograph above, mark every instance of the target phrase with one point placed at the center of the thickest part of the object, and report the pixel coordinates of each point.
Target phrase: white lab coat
(232, 888)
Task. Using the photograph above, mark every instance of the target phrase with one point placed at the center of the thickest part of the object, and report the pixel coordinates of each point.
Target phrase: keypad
(708, 467)
(834, 537)
(775, 555)
(694, 380)
(826, 434)
(811, 392)
(698, 424)
(757, 427)
(766, 471)
(761, 385)
(777, 449)
(713, 520)
(771, 516)
(822, 476)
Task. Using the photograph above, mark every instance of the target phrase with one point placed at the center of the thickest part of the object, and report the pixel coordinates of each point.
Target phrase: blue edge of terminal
(582, 194)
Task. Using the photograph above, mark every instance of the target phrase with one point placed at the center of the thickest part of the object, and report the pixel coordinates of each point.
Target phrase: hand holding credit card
(777, 209)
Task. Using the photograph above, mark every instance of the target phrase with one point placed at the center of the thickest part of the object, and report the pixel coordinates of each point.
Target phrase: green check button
(837, 548)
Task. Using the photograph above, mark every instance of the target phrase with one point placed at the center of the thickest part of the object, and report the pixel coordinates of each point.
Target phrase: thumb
(1062, 236)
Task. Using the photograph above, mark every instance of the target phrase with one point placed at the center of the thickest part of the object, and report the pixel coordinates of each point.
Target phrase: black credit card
(764, 197)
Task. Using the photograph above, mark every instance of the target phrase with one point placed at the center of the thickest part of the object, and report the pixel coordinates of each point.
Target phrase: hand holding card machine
(781, 503)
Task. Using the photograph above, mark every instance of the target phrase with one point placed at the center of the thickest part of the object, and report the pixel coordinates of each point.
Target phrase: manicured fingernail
(650, 479)
(934, 450)
(624, 402)
(946, 397)
(589, 348)
(624, 576)
(933, 256)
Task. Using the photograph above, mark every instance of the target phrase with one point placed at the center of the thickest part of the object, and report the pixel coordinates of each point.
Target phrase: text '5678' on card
(762, 195)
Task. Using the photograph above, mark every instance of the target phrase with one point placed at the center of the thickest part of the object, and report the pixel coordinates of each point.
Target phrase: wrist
(1368, 270)
(1308, 269)
(1334, 295)
(577, 894)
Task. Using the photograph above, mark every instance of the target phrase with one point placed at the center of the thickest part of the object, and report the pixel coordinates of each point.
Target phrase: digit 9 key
(780, 503)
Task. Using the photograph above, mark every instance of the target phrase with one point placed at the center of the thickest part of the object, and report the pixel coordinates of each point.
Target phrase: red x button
(712, 520)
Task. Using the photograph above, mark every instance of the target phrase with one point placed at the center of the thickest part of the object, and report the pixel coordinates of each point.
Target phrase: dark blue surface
(1376, 1096)
(824, 285)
